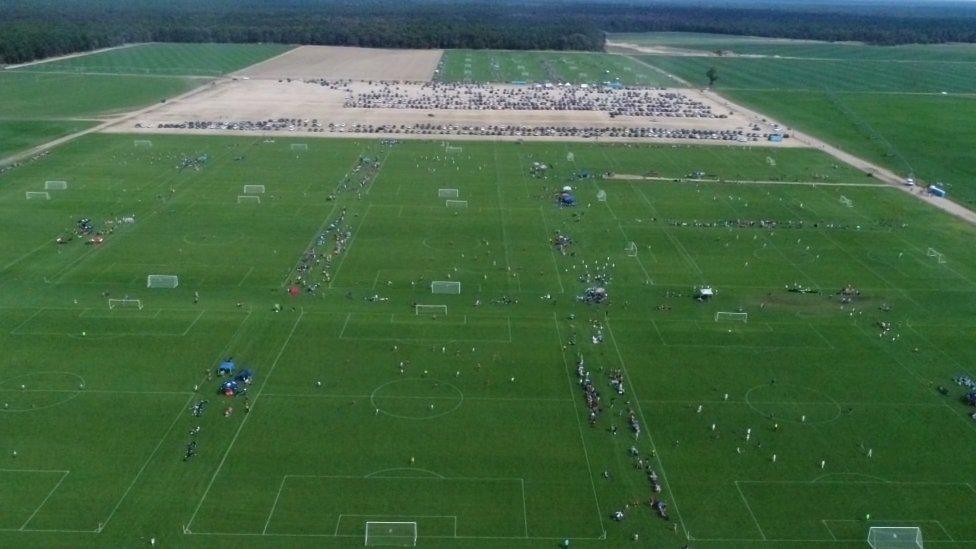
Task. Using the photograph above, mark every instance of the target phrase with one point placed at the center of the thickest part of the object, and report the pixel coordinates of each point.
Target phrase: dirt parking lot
(335, 62)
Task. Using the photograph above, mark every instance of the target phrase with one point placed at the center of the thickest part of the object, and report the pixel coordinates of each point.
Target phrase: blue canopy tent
(226, 367)
(567, 199)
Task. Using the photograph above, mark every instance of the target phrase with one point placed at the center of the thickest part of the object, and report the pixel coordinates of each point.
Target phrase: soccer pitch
(801, 427)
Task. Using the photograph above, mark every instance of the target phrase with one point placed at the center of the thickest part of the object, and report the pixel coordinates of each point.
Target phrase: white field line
(552, 253)
(275, 505)
(145, 464)
(579, 426)
(643, 418)
(64, 475)
(352, 240)
(243, 422)
(632, 177)
(751, 513)
(73, 55)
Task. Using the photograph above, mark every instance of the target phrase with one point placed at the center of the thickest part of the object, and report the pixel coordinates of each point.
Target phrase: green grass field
(909, 115)
(472, 423)
(810, 49)
(545, 66)
(16, 135)
(167, 59)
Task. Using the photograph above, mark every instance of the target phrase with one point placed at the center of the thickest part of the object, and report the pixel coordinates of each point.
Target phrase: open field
(545, 66)
(17, 135)
(908, 115)
(334, 62)
(781, 47)
(166, 59)
(472, 423)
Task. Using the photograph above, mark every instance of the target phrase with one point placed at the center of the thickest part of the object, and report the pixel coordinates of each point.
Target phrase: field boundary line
(145, 464)
(243, 422)
(352, 240)
(64, 475)
(749, 508)
(16, 329)
(247, 274)
(552, 254)
(194, 323)
(579, 427)
(275, 505)
(640, 412)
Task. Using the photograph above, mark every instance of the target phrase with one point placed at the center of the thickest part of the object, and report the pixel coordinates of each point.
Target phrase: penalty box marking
(392, 321)
(825, 521)
(891, 522)
(17, 330)
(376, 476)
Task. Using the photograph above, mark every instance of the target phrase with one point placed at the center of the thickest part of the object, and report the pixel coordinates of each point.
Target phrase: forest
(33, 29)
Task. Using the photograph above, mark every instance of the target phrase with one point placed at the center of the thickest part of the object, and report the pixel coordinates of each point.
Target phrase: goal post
(162, 281)
(631, 249)
(299, 146)
(431, 310)
(445, 287)
(253, 189)
(846, 201)
(142, 143)
(403, 534)
(448, 193)
(55, 185)
(37, 195)
(601, 195)
(453, 149)
(939, 256)
(895, 537)
(456, 204)
(125, 304)
(726, 316)
(248, 199)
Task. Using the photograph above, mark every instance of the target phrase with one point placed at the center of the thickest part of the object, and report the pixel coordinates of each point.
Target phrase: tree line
(34, 29)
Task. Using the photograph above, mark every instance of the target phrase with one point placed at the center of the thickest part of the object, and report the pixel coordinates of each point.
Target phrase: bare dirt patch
(336, 62)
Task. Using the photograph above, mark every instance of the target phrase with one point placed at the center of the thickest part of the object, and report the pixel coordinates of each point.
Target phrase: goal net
(299, 146)
(142, 144)
(55, 185)
(631, 249)
(448, 193)
(939, 256)
(570, 157)
(431, 310)
(445, 287)
(847, 201)
(248, 199)
(456, 204)
(162, 281)
(253, 189)
(895, 537)
(125, 304)
(403, 534)
(452, 149)
(724, 316)
(37, 195)
(601, 196)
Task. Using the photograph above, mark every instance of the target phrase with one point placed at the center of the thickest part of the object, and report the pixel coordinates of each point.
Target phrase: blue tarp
(227, 366)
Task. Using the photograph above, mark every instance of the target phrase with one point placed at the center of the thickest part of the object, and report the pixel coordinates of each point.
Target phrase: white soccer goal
(456, 204)
(253, 189)
(299, 146)
(162, 281)
(721, 316)
(448, 193)
(939, 256)
(452, 149)
(631, 249)
(55, 185)
(846, 201)
(142, 144)
(249, 199)
(431, 310)
(601, 195)
(895, 537)
(37, 195)
(403, 534)
(570, 157)
(445, 287)
(125, 304)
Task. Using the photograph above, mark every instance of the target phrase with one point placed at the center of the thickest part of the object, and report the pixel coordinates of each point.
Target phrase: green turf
(167, 59)
(815, 74)
(545, 66)
(483, 439)
(810, 49)
(17, 135)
